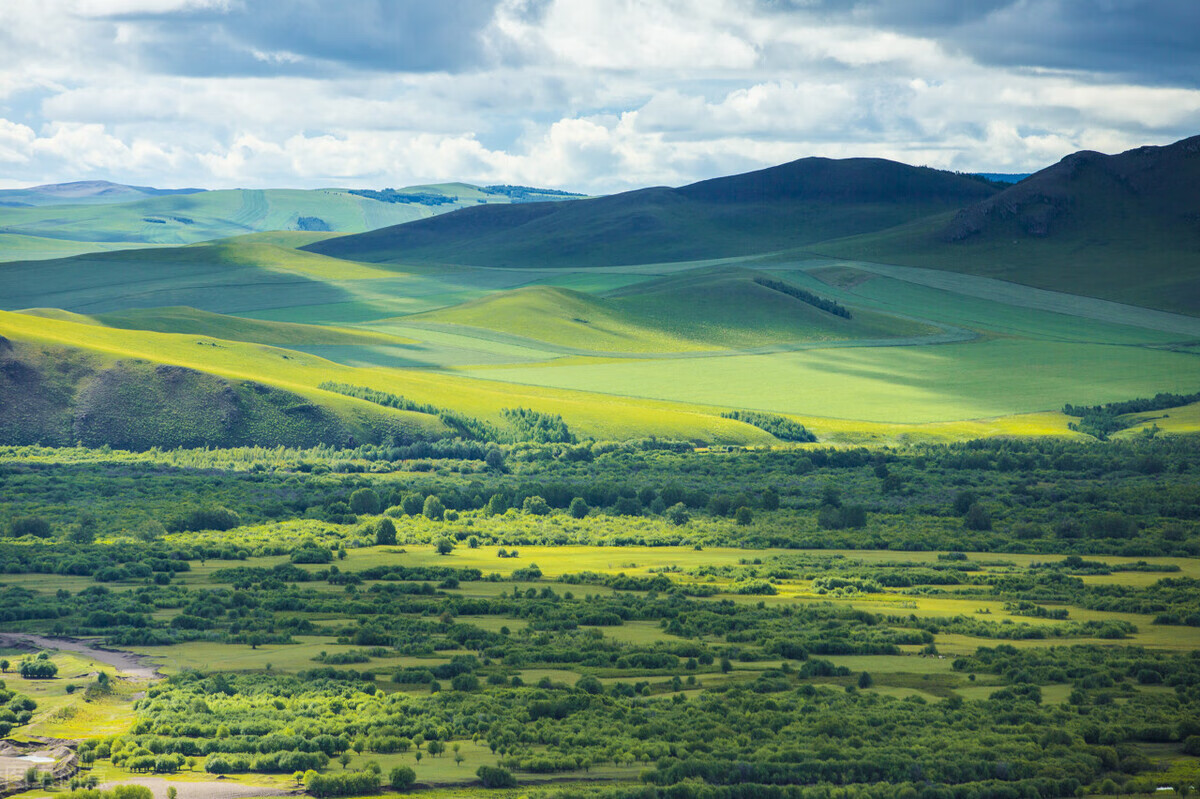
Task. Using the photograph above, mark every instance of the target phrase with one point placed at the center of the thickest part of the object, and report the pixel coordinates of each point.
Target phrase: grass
(52, 231)
(913, 385)
(588, 414)
(69, 715)
(707, 309)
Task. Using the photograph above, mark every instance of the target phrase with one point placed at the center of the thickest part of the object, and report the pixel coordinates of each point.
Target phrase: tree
(444, 546)
(344, 758)
(677, 514)
(744, 516)
(726, 665)
(433, 508)
(4, 664)
(35, 526)
(770, 499)
(977, 518)
(578, 508)
(385, 532)
(535, 506)
(83, 531)
(412, 504)
(865, 680)
(402, 778)
(496, 505)
(494, 459)
(364, 501)
(963, 501)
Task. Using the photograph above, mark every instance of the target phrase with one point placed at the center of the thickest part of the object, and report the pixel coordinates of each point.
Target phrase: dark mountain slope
(771, 209)
(1123, 227)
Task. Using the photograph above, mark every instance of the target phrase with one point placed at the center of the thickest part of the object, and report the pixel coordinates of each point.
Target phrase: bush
(496, 777)
(37, 669)
(401, 778)
(578, 508)
(215, 518)
(35, 526)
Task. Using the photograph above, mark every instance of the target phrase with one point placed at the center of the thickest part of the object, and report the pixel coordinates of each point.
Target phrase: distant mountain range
(99, 192)
(779, 208)
(90, 216)
(1123, 227)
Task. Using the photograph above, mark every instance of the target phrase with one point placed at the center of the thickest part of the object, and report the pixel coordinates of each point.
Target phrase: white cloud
(593, 95)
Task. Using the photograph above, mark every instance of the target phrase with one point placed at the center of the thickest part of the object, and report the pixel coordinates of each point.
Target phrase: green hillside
(59, 395)
(227, 276)
(186, 320)
(53, 341)
(1121, 227)
(786, 206)
(709, 309)
(37, 224)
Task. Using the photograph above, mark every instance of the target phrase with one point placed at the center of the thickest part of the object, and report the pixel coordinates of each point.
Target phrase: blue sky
(590, 95)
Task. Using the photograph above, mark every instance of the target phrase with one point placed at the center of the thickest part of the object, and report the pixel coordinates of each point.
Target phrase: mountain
(77, 218)
(771, 209)
(83, 192)
(1123, 227)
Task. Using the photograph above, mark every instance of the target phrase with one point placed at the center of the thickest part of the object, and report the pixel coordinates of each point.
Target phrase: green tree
(433, 508)
(385, 532)
(535, 506)
(677, 514)
(444, 546)
(977, 518)
(364, 501)
(865, 680)
(412, 504)
(578, 508)
(770, 499)
(744, 516)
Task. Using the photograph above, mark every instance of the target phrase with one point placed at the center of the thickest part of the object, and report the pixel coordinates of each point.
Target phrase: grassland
(896, 385)
(58, 230)
(300, 373)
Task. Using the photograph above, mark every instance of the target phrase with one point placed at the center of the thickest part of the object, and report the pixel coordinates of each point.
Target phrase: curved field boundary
(988, 288)
(949, 335)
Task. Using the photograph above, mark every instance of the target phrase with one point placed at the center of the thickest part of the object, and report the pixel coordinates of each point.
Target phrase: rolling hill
(704, 309)
(772, 209)
(1122, 227)
(65, 219)
(82, 192)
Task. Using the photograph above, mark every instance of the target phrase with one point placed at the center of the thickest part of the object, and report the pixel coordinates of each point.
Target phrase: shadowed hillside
(58, 396)
(706, 309)
(771, 209)
(1123, 227)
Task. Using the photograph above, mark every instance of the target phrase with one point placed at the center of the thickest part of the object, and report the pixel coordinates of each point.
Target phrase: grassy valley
(761, 487)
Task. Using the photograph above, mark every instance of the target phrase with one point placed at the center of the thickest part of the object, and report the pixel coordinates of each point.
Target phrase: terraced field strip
(1040, 299)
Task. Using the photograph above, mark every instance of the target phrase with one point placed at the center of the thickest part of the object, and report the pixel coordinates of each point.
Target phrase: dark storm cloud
(1143, 41)
(266, 37)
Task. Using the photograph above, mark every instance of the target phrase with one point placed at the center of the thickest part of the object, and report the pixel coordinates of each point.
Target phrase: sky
(593, 96)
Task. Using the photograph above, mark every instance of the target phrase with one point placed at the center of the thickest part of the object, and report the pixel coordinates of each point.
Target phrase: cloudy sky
(590, 95)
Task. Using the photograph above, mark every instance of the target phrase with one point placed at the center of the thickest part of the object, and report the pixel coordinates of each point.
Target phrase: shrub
(496, 777)
(402, 777)
(35, 526)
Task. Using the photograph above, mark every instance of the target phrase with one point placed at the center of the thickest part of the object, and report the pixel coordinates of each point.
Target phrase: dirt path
(127, 664)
